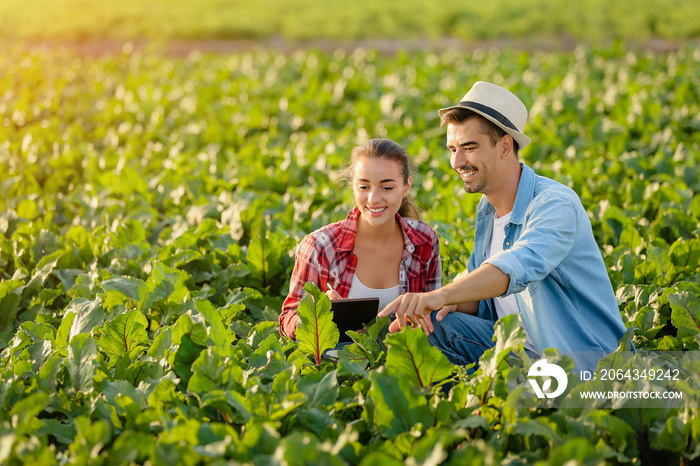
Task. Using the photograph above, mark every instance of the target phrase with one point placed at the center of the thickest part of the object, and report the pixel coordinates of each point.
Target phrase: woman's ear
(407, 187)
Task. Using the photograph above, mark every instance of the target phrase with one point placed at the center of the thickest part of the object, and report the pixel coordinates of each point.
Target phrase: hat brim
(519, 137)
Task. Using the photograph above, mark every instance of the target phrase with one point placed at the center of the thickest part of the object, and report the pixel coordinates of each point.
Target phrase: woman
(380, 250)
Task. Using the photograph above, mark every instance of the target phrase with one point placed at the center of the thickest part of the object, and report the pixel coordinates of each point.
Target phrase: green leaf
(314, 420)
(301, 449)
(263, 253)
(132, 447)
(124, 333)
(48, 373)
(88, 315)
(120, 289)
(509, 336)
(130, 232)
(229, 312)
(187, 353)
(214, 369)
(685, 312)
(36, 284)
(219, 334)
(63, 431)
(112, 390)
(168, 283)
(9, 305)
(268, 359)
(413, 359)
(26, 412)
(397, 408)
(81, 370)
(625, 343)
(165, 395)
(526, 427)
(575, 451)
(321, 389)
(316, 331)
(10, 291)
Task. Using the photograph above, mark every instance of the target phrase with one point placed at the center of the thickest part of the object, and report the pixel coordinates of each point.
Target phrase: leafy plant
(151, 206)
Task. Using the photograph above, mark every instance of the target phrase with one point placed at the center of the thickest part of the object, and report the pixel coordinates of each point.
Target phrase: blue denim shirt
(561, 286)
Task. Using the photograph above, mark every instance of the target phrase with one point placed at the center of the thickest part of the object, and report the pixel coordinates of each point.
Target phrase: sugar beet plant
(149, 212)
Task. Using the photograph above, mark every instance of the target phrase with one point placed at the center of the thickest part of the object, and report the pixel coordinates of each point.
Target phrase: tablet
(353, 314)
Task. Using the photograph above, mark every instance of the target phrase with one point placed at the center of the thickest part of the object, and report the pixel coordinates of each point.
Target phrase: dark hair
(460, 115)
(384, 149)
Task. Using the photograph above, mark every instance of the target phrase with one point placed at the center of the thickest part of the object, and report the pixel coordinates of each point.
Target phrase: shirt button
(507, 243)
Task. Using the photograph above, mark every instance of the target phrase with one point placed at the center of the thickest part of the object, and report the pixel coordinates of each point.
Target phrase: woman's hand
(332, 294)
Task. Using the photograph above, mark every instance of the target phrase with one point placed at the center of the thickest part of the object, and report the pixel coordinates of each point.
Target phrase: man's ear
(506, 144)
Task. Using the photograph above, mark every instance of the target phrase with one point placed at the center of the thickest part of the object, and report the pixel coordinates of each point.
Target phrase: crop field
(149, 211)
(592, 21)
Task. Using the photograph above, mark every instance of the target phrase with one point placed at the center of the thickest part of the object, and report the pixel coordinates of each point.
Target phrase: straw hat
(499, 106)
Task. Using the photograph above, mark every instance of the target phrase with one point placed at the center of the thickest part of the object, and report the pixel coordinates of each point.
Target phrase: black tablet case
(353, 314)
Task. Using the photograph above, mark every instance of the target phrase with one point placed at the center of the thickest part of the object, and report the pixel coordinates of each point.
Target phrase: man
(534, 251)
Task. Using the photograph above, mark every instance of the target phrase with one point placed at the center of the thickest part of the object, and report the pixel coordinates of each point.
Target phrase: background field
(593, 21)
(150, 208)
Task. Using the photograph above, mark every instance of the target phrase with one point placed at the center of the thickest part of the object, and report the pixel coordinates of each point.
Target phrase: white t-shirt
(385, 295)
(507, 305)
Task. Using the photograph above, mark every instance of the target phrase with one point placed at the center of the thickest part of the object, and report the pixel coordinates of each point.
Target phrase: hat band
(495, 114)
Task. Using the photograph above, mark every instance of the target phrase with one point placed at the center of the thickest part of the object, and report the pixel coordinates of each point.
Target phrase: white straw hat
(499, 106)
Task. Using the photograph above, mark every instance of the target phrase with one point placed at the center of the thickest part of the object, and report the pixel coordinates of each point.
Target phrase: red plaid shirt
(326, 256)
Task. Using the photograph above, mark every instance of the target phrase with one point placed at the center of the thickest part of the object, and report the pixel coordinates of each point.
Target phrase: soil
(182, 48)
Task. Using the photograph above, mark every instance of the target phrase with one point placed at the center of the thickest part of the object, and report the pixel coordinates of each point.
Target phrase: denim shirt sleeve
(547, 237)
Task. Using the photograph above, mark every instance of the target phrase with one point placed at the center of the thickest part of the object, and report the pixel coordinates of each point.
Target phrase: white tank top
(385, 295)
(507, 305)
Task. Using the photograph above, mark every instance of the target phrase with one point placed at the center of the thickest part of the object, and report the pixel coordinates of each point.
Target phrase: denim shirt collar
(526, 192)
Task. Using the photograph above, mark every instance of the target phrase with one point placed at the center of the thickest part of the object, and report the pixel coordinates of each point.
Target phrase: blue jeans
(463, 338)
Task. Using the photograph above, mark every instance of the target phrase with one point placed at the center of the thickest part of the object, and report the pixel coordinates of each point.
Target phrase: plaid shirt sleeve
(307, 268)
(434, 278)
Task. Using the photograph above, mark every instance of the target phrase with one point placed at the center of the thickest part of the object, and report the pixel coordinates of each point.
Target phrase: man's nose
(457, 159)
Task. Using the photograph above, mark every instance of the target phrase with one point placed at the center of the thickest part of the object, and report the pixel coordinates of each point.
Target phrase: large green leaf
(25, 413)
(413, 359)
(168, 283)
(509, 337)
(215, 369)
(10, 291)
(397, 408)
(187, 353)
(685, 313)
(219, 333)
(36, 284)
(124, 333)
(264, 253)
(316, 331)
(81, 354)
(321, 389)
(121, 289)
(81, 316)
(301, 449)
(268, 359)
